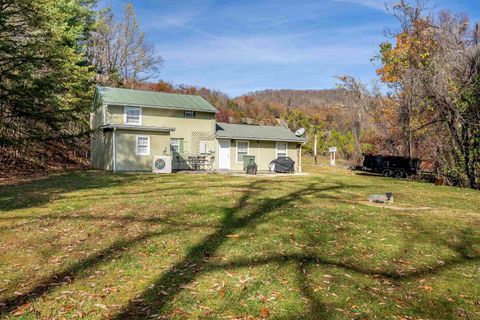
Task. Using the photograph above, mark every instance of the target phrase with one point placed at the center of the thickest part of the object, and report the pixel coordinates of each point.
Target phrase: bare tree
(450, 86)
(119, 50)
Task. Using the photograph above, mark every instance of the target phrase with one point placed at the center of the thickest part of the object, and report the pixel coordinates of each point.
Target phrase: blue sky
(247, 45)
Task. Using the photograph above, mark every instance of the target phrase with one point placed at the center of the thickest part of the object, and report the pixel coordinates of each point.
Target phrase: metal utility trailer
(390, 166)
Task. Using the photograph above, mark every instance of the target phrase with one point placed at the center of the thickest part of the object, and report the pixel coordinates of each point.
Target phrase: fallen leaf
(233, 236)
(264, 312)
(425, 287)
(221, 293)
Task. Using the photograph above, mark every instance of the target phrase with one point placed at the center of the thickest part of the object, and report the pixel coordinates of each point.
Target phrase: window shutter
(181, 145)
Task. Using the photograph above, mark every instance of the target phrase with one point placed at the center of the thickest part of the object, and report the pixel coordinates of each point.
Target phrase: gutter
(135, 127)
(161, 107)
(262, 139)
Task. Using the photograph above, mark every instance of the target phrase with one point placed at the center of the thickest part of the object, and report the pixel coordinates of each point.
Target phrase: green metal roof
(254, 132)
(143, 98)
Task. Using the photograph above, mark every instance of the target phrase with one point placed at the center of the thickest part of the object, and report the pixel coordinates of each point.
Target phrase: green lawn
(99, 245)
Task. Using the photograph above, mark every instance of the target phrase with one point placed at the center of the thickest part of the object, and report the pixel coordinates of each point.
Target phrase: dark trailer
(390, 166)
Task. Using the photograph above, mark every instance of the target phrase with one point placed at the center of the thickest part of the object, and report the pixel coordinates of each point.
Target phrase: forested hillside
(304, 99)
(327, 111)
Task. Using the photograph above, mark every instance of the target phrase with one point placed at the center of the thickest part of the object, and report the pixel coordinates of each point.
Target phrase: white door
(224, 154)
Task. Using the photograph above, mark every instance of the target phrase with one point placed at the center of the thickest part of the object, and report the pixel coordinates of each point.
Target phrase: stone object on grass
(379, 198)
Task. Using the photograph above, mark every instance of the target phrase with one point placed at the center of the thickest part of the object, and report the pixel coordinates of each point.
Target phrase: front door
(223, 154)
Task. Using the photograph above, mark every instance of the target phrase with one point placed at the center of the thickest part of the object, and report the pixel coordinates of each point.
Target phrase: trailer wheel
(398, 174)
(387, 173)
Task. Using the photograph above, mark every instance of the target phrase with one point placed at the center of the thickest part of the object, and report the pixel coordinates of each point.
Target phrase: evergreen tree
(45, 79)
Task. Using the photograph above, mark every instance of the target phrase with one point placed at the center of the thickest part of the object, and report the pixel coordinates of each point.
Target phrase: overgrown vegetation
(125, 246)
(45, 80)
(433, 109)
(52, 53)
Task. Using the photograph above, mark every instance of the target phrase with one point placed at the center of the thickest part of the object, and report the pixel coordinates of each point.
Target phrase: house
(130, 127)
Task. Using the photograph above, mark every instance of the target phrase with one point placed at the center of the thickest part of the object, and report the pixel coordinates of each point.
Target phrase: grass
(122, 246)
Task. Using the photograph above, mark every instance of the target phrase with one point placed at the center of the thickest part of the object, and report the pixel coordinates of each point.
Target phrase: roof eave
(260, 139)
(135, 127)
(157, 107)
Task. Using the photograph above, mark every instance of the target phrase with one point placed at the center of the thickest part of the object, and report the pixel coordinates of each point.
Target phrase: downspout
(114, 149)
(300, 159)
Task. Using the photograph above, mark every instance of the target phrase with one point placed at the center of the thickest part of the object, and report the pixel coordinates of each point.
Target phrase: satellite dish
(300, 132)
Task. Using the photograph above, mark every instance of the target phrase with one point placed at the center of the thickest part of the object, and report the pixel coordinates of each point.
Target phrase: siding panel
(126, 157)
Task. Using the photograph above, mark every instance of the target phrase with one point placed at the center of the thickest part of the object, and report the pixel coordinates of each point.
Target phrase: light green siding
(264, 152)
(191, 130)
(101, 150)
(117, 144)
(126, 154)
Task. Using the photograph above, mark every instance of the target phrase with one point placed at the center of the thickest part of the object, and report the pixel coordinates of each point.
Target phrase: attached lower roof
(255, 132)
(144, 98)
(134, 127)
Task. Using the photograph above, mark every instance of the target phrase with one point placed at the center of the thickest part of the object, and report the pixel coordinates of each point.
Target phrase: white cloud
(374, 4)
(152, 21)
(286, 50)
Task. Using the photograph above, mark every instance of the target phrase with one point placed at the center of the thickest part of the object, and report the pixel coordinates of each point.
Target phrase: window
(143, 145)
(203, 147)
(281, 149)
(132, 115)
(242, 150)
(189, 114)
(176, 145)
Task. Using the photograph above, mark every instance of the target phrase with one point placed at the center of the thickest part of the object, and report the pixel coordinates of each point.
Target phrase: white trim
(229, 155)
(140, 120)
(148, 145)
(206, 151)
(217, 153)
(276, 149)
(260, 139)
(236, 149)
(159, 107)
(114, 150)
(179, 144)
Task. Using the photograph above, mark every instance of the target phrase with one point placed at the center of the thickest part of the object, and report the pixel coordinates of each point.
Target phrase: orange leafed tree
(413, 48)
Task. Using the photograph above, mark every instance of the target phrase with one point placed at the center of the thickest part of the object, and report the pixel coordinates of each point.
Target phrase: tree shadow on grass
(246, 213)
(113, 251)
(116, 249)
(321, 310)
(196, 261)
(152, 220)
(40, 191)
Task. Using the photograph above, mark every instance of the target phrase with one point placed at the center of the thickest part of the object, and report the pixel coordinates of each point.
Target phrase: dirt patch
(393, 207)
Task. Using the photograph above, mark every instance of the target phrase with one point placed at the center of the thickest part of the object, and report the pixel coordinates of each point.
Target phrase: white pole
(332, 159)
